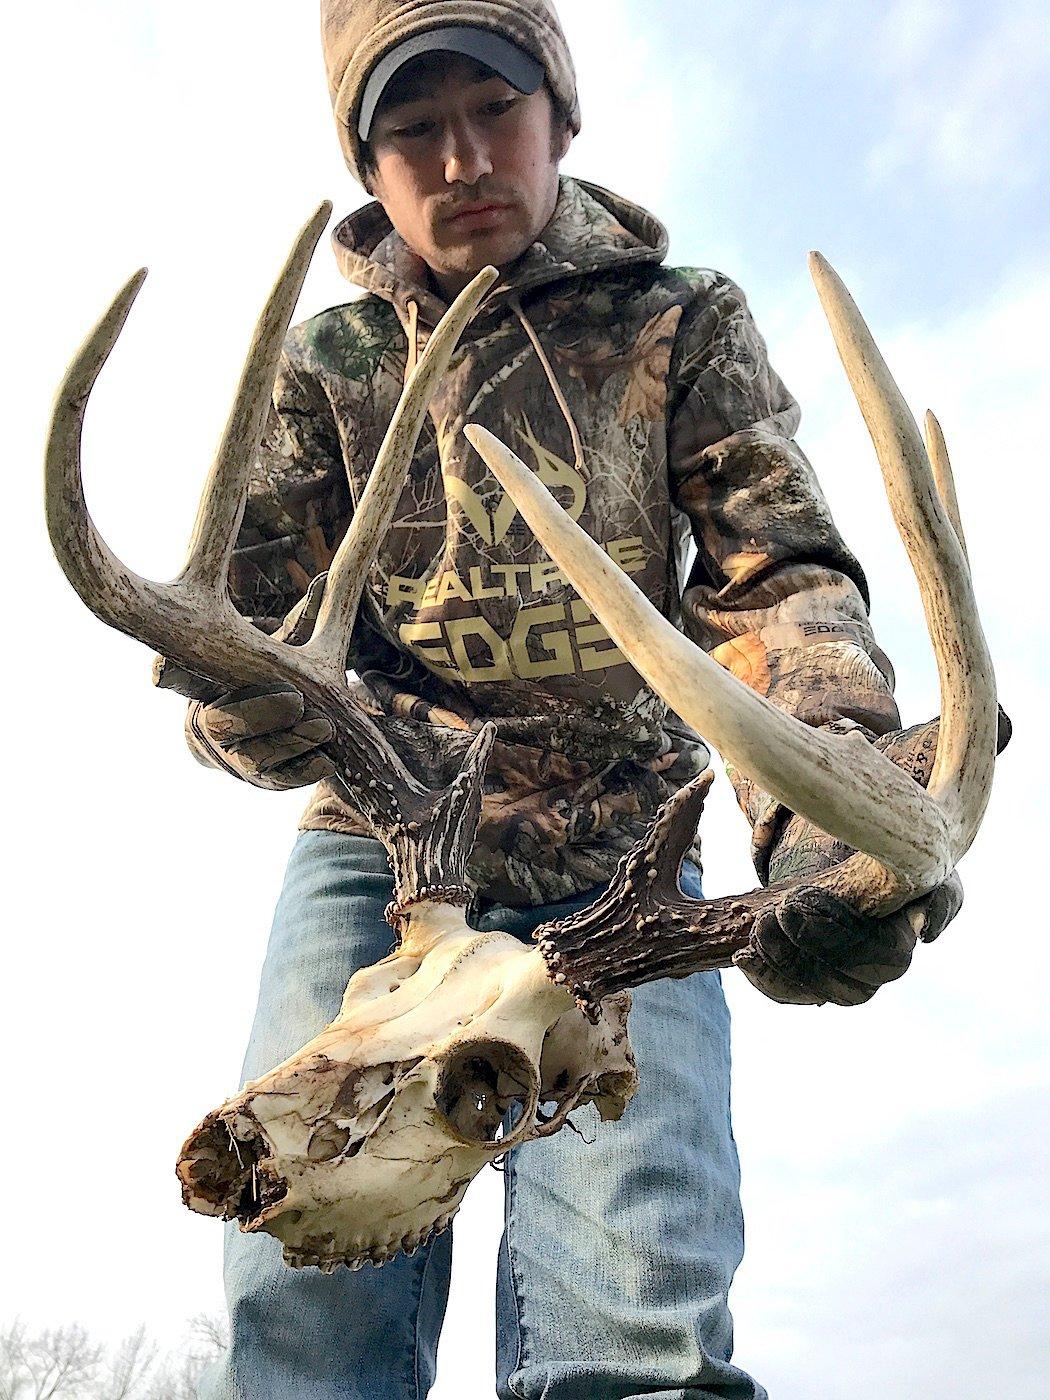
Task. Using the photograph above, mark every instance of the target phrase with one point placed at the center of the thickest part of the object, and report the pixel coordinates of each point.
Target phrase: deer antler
(362, 1143)
(907, 839)
(193, 621)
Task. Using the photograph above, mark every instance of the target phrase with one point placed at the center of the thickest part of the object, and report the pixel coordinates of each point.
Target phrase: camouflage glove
(265, 734)
(812, 948)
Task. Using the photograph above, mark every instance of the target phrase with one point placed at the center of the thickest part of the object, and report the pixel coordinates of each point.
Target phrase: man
(642, 395)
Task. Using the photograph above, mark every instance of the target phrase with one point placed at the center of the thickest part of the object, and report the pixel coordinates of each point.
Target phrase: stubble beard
(498, 247)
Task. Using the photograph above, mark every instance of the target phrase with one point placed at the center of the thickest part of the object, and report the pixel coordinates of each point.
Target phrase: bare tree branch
(63, 1361)
(128, 1369)
(42, 1365)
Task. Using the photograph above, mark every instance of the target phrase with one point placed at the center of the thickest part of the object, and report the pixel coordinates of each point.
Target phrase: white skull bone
(363, 1143)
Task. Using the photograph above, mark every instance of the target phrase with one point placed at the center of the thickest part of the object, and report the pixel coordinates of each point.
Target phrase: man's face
(466, 167)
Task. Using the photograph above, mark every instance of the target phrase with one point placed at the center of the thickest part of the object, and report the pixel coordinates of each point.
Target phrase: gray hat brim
(512, 63)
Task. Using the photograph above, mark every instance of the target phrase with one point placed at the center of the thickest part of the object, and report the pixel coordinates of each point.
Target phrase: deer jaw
(363, 1143)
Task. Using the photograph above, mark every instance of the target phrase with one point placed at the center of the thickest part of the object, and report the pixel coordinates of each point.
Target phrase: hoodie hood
(591, 230)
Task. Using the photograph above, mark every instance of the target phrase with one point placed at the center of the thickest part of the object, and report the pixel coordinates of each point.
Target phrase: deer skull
(362, 1144)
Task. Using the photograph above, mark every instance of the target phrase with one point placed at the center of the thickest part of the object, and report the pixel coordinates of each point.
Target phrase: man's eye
(496, 109)
(420, 128)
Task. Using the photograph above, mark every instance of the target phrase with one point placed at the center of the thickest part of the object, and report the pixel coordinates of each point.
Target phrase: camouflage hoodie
(643, 397)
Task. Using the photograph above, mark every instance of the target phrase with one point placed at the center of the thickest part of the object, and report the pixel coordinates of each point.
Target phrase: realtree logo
(546, 639)
(552, 470)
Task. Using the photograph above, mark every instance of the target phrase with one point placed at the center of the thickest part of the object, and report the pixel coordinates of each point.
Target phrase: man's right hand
(265, 734)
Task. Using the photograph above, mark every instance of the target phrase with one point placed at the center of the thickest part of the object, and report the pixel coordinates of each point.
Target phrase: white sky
(890, 1154)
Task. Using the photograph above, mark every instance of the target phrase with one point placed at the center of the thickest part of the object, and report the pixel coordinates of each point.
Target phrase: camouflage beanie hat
(356, 34)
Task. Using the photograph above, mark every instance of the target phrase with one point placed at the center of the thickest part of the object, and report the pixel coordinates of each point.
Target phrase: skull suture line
(362, 1143)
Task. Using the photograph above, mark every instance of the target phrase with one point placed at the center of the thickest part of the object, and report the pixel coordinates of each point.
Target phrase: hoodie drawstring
(574, 432)
(412, 358)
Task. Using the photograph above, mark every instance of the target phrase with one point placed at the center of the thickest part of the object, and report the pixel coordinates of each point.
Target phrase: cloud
(915, 1271)
(644, 102)
(967, 98)
(910, 30)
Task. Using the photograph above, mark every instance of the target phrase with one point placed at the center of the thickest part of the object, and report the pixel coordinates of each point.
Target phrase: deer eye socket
(482, 1082)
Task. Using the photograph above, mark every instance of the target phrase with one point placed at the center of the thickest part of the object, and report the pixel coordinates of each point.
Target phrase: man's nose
(466, 155)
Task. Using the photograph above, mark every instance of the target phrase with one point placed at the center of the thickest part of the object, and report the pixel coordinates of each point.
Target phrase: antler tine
(937, 451)
(961, 775)
(346, 576)
(838, 781)
(110, 589)
(222, 500)
(193, 623)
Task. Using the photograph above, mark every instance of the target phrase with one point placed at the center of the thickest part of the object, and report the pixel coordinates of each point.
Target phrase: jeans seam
(415, 1330)
(516, 1286)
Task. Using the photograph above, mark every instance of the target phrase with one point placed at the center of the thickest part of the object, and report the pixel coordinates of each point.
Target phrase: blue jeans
(618, 1251)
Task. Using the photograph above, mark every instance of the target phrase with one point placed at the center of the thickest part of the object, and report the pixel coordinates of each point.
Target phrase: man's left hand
(812, 947)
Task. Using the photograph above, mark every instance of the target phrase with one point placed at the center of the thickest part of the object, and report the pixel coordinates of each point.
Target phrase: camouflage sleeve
(774, 594)
(298, 497)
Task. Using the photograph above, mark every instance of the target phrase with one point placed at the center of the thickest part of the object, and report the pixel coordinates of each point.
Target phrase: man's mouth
(477, 211)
